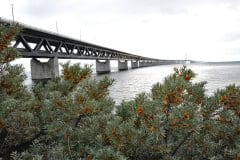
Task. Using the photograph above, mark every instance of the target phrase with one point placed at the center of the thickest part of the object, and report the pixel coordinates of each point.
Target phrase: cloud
(112, 8)
(46, 8)
(234, 36)
(147, 27)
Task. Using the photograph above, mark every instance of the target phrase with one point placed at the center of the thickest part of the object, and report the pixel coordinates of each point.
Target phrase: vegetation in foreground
(71, 117)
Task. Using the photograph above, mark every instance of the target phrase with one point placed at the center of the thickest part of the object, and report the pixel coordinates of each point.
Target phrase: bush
(178, 121)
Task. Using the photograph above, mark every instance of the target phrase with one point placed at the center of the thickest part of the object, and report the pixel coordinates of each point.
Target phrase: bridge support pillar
(41, 71)
(142, 64)
(134, 64)
(122, 65)
(103, 66)
(153, 63)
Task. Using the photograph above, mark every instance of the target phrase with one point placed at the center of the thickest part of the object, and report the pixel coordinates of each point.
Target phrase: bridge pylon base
(42, 71)
(142, 64)
(134, 64)
(122, 65)
(103, 66)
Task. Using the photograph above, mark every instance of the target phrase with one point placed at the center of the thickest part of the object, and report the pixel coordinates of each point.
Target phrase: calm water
(134, 81)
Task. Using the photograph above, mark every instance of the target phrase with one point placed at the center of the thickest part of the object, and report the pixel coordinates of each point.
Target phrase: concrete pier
(142, 64)
(103, 66)
(122, 65)
(44, 70)
(134, 64)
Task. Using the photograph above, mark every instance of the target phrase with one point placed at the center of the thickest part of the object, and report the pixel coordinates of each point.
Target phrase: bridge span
(35, 43)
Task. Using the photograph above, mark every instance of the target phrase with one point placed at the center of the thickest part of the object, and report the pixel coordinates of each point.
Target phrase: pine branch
(3, 135)
(181, 143)
(22, 146)
(167, 129)
(145, 155)
(78, 119)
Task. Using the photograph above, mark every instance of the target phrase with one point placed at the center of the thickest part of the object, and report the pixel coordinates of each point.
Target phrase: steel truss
(32, 42)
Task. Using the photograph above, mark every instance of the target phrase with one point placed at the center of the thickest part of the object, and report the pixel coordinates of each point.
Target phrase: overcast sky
(207, 30)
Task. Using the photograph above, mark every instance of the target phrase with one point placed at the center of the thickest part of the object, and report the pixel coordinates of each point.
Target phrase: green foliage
(177, 121)
(64, 119)
(75, 73)
(17, 122)
(7, 34)
(71, 117)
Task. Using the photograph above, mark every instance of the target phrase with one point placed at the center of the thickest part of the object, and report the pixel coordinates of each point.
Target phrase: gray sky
(207, 30)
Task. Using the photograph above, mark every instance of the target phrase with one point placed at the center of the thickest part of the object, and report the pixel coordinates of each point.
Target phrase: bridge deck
(37, 43)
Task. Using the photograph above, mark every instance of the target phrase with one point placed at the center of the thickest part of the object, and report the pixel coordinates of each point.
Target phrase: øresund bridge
(36, 43)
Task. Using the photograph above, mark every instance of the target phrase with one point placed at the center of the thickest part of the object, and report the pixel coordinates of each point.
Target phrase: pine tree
(64, 119)
(17, 122)
(178, 121)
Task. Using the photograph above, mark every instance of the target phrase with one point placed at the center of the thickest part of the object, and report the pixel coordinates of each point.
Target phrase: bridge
(35, 43)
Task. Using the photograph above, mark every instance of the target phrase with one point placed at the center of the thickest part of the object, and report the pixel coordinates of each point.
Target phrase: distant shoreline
(222, 62)
(226, 62)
